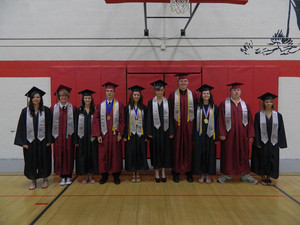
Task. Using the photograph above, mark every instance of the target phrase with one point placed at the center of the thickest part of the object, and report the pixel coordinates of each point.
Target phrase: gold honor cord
(141, 121)
(213, 123)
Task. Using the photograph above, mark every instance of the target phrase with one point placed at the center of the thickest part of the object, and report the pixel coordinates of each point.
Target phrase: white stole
(156, 119)
(135, 127)
(70, 119)
(103, 116)
(211, 121)
(81, 127)
(190, 108)
(228, 113)
(30, 126)
(263, 127)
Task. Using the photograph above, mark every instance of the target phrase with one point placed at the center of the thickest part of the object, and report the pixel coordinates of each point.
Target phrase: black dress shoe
(164, 180)
(157, 180)
(190, 178)
(117, 180)
(103, 180)
(176, 178)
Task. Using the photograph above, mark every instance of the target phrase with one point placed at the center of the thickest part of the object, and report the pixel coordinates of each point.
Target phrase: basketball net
(179, 6)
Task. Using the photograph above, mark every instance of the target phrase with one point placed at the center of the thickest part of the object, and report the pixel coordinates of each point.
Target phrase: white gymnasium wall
(32, 30)
(12, 97)
(289, 107)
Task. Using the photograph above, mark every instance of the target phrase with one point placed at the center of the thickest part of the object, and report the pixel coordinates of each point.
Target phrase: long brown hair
(210, 101)
(140, 102)
(31, 105)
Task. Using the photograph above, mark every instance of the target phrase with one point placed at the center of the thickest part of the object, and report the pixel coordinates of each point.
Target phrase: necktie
(109, 104)
(64, 107)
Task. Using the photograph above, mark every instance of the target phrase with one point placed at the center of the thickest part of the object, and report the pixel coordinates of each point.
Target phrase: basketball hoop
(179, 6)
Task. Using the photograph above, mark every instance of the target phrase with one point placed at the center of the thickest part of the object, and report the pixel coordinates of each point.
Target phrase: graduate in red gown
(63, 126)
(269, 137)
(236, 130)
(108, 128)
(183, 101)
(34, 135)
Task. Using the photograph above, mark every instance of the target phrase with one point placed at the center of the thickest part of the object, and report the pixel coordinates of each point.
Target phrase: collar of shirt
(61, 105)
(235, 102)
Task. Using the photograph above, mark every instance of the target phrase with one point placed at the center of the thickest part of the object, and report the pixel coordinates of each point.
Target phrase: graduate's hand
(99, 139)
(150, 136)
(222, 138)
(48, 144)
(171, 136)
(125, 139)
(258, 146)
(76, 145)
(25, 146)
(250, 139)
(119, 137)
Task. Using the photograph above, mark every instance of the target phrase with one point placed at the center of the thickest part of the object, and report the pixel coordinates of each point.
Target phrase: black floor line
(286, 194)
(51, 203)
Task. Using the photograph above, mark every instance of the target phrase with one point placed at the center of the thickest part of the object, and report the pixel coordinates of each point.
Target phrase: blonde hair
(158, 88)
(63, 92)
(263, 104)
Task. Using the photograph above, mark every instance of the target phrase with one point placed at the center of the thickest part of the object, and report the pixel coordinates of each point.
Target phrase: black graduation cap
(110, 85)
(86, 92)
(35, 90)
(159, 83)
(267, 96)
(235, 85)
(62, 87)
(181, 75)
(136, 88)
(205, 87)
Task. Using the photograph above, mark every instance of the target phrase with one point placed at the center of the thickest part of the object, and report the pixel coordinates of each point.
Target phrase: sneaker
(248, 178)
(62, 182)
(69, 181)
(223, 178)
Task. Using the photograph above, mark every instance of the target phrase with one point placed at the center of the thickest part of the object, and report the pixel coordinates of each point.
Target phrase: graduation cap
(267, 96)
(61, 88)
(86, 92)
(159, 83)
(205, 87)
(181, 75)
(35, 90)
(136, 88)
(235, 85)
(110, 85)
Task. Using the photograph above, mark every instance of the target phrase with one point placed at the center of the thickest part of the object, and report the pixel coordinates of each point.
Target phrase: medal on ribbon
(136, 112)
(206, 112)
(108, 108)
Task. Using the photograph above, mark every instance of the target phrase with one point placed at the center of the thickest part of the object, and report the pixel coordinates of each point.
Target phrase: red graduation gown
(63, 147)
(109, 151)
(235, 149)
(183, 140)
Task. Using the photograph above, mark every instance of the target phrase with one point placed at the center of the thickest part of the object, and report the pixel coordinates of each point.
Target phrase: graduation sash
(115, 116)
(81, 127)
(190, 108)
(211, 122)
(263, 127)
(30, 126)
(135, 122)
(70, 120)
(228, 113)
(156, 119)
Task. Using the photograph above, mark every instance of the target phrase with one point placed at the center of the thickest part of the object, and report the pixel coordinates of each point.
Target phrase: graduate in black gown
(135, 138)
(206, 134)
(160, 130)
(86, 146)
(269, 137)
(34, 135)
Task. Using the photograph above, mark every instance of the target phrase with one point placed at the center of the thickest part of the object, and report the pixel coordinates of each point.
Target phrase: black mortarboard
(35, 90)
(267, 96)
(205, 87)
(62, 87)
(181, 75)
(158, 83)
(86, 92)
(235, 85)
(110, 85)
(136, 88)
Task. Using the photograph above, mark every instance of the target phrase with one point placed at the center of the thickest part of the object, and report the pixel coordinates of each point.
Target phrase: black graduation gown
(87, 150)
(160, 143)
(136, 147)
(265, 161)
(204, 154)
(37, 158)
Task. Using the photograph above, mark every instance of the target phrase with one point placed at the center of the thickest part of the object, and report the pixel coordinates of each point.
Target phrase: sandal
(92, 180)
(208, 180)
(264, 182)
(138, 179)
(45, 183)
(201, 179)
(32, 186)
(269, 182)
(84, 181)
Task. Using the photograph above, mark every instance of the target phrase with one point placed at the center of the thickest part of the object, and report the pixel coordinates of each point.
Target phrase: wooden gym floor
(148, 202)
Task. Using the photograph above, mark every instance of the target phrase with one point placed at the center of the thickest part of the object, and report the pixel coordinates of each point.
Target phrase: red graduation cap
(109, 85)
(61, 88)
(181, 75)
(235, 85)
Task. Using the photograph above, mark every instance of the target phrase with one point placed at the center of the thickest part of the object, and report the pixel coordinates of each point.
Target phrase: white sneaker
(69, 181)
(248, 178)
(62, 182)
